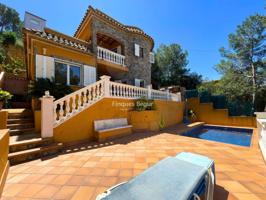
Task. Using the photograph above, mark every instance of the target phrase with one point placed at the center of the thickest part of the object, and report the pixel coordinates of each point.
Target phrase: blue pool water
(237, 136)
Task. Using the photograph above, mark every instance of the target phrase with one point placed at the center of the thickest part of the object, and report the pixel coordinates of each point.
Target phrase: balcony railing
(110, 56)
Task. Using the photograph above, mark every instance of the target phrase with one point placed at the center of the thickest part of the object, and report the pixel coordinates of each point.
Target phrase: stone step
(20, 116)
(20, 126)
(18, 121)
(29, 144)
(21, 131)
(34, 153)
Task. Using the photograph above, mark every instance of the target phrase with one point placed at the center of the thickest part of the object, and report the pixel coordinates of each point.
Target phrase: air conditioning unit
(32, 21)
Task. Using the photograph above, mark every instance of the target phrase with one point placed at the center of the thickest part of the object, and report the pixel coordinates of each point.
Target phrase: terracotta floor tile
(66, 192)
(17, 178)
(97, 172)
(83, 171)
(83, 192)
(126, 172)
(245, 196)
(60, 179)
(108, 181)
(47, 192)
(13, 189)
(253, 187)
(31, 178)
(240, 171)
(233, 186)
(111, 172)
(92, 180)
(31, 190)
(75, 180)
(46, 179)
(98, 190)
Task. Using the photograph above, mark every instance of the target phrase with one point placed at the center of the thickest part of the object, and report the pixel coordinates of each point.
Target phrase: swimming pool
(237, 136)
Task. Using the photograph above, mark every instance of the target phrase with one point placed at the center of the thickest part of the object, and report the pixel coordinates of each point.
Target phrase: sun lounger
(172, 178)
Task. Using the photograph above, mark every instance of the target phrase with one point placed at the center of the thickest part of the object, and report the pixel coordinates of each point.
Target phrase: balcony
(110, 56)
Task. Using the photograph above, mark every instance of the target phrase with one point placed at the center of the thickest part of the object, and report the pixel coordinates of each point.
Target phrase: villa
(100, 46)
(114, 125)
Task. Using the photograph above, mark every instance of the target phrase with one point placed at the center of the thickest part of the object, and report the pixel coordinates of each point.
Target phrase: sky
(200, 26)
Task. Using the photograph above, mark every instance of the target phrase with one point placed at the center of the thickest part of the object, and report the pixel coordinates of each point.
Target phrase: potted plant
(4, 96)
(192, 115)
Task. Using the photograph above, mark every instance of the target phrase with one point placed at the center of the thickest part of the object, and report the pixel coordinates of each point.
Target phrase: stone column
(106, 85)
(47, 115)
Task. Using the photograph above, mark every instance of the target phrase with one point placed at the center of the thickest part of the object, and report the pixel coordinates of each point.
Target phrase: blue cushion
(195, 159)
(171, 178)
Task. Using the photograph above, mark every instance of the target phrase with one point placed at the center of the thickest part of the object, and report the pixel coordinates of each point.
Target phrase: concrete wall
(4, 164)
(81, 126)
(206, 113)
(138, 67)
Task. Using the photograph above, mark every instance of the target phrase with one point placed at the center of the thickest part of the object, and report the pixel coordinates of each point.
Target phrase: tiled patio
(86, 171)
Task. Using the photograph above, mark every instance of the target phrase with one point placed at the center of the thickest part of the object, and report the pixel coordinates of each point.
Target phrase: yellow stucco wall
(37, 120)
(168, 113)
(3, 119)
(145, 120)
(36, 45)
(4, 149)
(206, 113)
(81, 126)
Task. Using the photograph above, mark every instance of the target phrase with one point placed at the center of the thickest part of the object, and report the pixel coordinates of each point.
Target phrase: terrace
(87, 170)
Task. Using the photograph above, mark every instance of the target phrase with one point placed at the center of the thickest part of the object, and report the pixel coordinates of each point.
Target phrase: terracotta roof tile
(131, 29)
(62, 39)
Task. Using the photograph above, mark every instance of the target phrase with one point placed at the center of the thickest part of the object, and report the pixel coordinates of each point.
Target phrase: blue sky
(200, 26)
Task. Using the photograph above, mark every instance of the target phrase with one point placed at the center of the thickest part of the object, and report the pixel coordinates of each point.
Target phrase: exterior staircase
(25, 143)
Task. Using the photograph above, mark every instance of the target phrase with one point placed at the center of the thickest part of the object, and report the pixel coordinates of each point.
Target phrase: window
(60, 73)
(67, 74)
(139, 82)
(141, 52)
(136, 47)
(74, 78)
(152, 57)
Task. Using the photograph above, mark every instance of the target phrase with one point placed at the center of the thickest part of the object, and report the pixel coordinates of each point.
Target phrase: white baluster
(61, 110)
(67, 107)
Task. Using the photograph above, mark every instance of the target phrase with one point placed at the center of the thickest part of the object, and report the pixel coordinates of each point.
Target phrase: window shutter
(50, 67)
(137, 82)
(44, 67)
(38, 66)
(151, 57)
(89, 75)
(136, 50)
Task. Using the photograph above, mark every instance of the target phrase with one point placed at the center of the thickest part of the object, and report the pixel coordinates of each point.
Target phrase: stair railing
(57, 112)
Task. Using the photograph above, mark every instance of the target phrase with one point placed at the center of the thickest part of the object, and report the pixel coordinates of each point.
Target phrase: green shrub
(5, 95)
(15, 66)
(145, 104)
(9, 38)
(37, 88)
(161, 123)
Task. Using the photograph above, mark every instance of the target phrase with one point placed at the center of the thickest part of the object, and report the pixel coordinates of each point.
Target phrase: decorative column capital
(104, 77)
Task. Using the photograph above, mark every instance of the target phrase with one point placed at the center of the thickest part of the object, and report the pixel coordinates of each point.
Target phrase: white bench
(110, 128)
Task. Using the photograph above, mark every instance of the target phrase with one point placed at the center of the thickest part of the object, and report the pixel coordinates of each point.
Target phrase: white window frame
(139, 81)
(152, 58)
(137, 50)
(68, 70)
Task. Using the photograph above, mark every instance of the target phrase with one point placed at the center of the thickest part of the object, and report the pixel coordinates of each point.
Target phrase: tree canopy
(243, 66)
(170, 68)
(9, 20)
